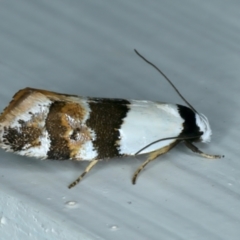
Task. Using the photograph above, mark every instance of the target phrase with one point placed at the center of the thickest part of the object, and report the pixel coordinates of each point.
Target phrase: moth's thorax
(204, 126)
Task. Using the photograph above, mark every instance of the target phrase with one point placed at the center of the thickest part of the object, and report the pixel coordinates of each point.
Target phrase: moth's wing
(123, 127)
(147, 122)
(45, 124)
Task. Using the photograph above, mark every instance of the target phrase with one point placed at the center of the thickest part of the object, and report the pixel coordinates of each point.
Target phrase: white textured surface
(86, 48)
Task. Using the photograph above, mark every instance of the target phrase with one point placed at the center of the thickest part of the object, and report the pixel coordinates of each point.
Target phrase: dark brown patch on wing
(105, 119)
(64, 126)
(23, 137)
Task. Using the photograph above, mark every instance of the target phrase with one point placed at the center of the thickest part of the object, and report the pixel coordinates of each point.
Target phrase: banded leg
(88, 168)
(152, 156)
(196, 150)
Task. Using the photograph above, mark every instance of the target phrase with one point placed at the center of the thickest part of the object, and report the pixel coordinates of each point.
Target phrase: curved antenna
(181, 96)
(163, 139)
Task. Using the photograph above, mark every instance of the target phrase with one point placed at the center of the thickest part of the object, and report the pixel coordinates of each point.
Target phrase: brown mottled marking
(23, 137)
(59, 145)
(67, 134)
(20, 104)
(30, 94)
(77, 138)
(17, 99)
(105, 119)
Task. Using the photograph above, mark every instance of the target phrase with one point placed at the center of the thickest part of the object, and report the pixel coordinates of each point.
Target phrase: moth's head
(204, 126)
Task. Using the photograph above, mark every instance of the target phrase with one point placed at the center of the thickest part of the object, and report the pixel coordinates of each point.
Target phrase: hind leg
(152, 156)
(88, 168)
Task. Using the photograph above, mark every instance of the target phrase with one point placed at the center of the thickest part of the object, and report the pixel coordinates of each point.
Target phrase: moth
(48, 125)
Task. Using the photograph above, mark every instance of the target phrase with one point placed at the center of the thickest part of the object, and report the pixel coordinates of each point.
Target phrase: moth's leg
(88, 168)
(152, 156)
(196, 150)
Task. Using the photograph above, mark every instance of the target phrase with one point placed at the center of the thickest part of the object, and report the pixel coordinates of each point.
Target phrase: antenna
(163, 139)
(181, 96)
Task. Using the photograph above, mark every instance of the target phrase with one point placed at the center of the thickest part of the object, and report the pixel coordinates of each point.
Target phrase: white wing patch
(147, 122)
